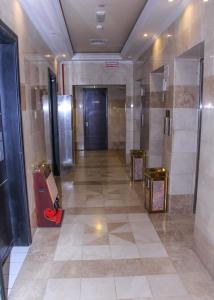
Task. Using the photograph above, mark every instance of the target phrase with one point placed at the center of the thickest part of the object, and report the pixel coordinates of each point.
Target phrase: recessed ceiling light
(48, 55)
(98, 42)
(145, 34)
(169, 35)
(99, 27)
(63, 55)
(170, 0)
(205, 0)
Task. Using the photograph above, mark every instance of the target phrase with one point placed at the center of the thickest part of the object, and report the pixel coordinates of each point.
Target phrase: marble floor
(108, 247)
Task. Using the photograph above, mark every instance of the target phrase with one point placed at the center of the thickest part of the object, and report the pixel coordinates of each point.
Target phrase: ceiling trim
(144, 19)
(96, 61)
(130, 32)
(55, 33)
(96, 56)
(66, 25)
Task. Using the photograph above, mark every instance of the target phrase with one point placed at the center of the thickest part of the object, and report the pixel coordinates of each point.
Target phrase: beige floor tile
(147, 236)
(124, 251)
(96, 239)
(119, 227)
(98, 289)
(124, 238)
(65, 289)
(166, 285)
(198, 284)
(152, 250)
(96, 252)
(66, 269)
(35, 270)
(67, 253)
(116, 218)
(98, 268)
(187, 297)
(28, 289)
(132, 287)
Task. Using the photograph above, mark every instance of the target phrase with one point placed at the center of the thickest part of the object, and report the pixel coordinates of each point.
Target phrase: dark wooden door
(95, 101)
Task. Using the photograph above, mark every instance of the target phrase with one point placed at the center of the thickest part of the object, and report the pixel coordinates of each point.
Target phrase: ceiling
(196, 52)
(70, 24)
(120, 18)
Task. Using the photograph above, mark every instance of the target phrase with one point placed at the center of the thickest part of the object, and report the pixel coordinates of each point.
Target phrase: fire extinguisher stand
(48, 211)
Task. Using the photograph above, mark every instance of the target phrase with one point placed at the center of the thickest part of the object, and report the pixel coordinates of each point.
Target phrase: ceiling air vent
(100, 16)
(97, 42)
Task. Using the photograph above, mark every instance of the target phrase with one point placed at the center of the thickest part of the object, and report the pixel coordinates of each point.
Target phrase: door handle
(167, 126)
(86, 124)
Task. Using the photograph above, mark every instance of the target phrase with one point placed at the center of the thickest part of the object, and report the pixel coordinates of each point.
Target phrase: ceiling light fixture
(170, 0)
(98, 42)
(63, 55)
(99, 27)
(169, 35)
(100, 16)
(145, 35)
(205, 0)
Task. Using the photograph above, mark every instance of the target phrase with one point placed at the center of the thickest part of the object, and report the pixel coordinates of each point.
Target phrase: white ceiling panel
(120, 18)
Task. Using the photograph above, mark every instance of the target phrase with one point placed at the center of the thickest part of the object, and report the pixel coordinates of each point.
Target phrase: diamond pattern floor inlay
(108, 248)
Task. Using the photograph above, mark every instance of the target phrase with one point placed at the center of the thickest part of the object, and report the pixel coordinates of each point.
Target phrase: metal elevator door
(6, 237)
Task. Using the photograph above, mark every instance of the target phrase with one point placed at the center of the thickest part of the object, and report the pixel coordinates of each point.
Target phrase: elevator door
(6, 238)
(95, 102)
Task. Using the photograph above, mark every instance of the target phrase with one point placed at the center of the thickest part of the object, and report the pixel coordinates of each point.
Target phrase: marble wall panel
(116, 118)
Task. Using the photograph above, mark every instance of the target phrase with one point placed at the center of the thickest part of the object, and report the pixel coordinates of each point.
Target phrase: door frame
(200, 111)
(84, 112)
(2, 287)
(13, 143)
(54, 134)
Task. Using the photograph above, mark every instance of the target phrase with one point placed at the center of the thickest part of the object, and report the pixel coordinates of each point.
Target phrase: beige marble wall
(141, 108)
(185, 126)
(33, 77)
(193, 27)
(156, 124)
(116, 117)
(116, 96)
(96, 73)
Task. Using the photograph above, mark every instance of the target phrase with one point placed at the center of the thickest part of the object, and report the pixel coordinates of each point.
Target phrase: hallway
(108, 247)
